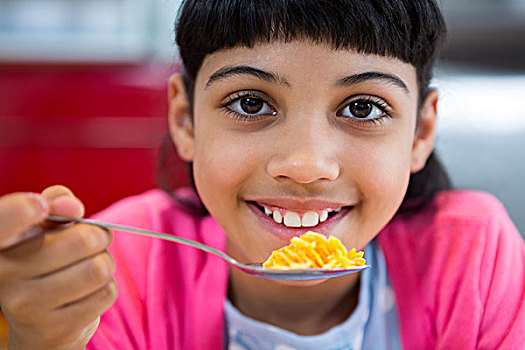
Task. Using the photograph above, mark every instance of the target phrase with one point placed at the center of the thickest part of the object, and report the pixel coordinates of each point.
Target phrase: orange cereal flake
(312, 250)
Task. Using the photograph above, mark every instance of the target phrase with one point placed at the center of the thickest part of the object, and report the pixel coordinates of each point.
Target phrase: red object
(94, 128)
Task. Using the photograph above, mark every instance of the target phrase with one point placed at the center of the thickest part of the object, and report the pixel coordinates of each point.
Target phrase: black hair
(409, 30)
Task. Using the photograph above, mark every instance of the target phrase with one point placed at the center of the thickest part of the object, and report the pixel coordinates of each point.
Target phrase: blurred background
(83, 96)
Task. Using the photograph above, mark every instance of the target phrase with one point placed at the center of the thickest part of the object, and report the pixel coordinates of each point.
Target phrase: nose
(304, 154)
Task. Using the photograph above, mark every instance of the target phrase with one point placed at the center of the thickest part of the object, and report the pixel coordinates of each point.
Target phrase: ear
(425, 133)
(179, 118)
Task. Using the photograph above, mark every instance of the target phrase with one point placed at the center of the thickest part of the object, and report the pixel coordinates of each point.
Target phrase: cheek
(389, 172)
(381, 171)
(392, 160)
(222, 163)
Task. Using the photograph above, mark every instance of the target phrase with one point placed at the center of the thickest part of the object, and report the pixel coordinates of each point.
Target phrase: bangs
(404, 29)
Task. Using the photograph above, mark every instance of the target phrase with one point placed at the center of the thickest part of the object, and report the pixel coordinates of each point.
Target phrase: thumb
(63, 202)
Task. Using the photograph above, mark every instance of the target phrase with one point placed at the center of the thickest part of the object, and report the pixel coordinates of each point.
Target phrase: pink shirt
(457, 268)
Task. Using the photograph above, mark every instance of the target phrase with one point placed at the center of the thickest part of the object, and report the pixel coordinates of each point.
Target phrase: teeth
(292, 219)
(277, 216)
(324, 216)
(310, 219)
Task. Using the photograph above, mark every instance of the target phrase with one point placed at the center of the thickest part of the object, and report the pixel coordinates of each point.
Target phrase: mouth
(290, 218)
(291, 222)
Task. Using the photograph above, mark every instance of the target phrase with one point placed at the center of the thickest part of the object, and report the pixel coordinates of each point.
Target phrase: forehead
(301, 60)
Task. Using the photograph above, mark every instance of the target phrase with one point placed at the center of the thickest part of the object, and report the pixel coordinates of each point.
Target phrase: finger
(18, 212)
(65, 323)
(90, 330)
(85, 310)
(63, 202)
(75, 282)
(56, 191)
(56, 251)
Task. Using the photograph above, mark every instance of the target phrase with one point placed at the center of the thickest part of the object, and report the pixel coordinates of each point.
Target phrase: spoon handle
(138, 231)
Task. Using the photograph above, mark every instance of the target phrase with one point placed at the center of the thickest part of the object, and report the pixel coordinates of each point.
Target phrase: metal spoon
(252, 269)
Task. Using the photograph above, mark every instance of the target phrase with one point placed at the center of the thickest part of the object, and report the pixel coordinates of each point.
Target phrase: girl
(290, 113)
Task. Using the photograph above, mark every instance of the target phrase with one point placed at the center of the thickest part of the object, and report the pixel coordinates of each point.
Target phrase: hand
(55, 280)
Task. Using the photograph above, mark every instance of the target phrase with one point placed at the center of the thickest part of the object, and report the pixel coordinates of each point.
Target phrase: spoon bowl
(257, 270)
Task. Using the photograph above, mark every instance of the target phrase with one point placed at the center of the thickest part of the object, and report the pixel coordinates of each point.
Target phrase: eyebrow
(226, 72)
(362, 77)
(272, 78)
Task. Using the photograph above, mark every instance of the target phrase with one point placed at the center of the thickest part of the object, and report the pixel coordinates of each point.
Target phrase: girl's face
(291, 137)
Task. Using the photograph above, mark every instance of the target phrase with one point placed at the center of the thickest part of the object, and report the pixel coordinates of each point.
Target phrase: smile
(290, 218)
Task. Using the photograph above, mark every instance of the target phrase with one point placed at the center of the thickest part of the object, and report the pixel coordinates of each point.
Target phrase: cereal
(314, 250)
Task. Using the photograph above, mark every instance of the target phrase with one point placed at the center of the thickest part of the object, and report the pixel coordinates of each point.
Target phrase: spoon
(255, 269)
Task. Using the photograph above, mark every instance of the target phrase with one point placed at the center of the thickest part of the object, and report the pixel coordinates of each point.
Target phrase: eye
(250, 105)
(364, 109)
